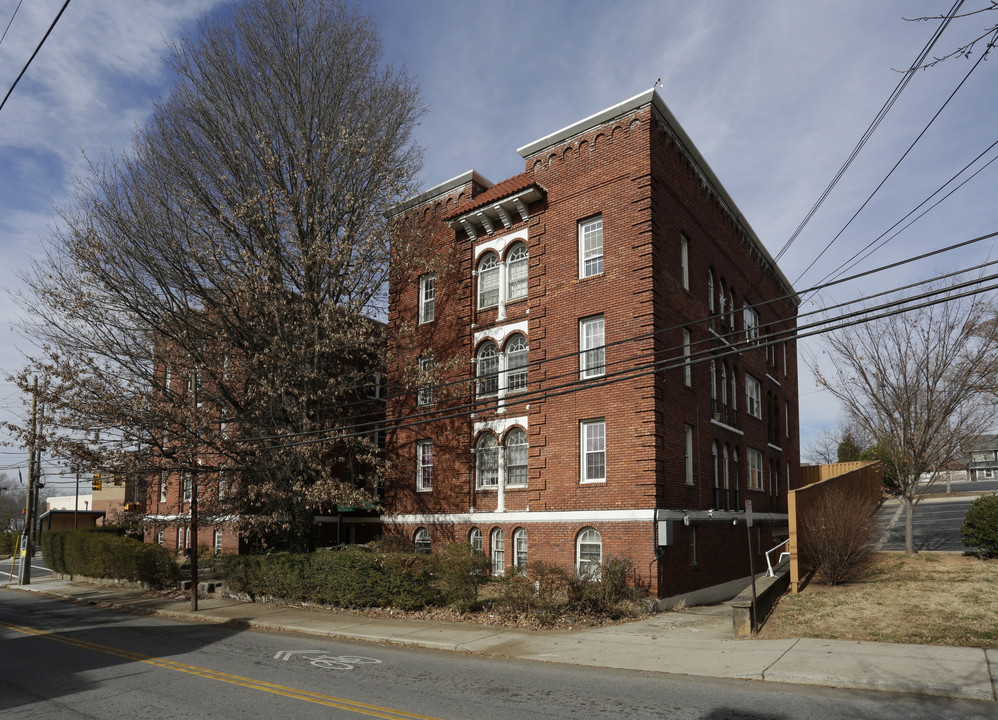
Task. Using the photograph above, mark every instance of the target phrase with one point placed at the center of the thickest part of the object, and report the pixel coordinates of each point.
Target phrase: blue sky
(774, 94)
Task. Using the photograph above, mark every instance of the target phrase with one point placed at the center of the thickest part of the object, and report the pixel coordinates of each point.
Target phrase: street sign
(748, 512)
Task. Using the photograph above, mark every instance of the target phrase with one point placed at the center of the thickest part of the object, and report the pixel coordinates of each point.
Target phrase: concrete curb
(692, 643)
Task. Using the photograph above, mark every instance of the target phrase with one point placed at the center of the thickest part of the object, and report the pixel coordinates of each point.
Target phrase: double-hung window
(520, 550)
(688, 455)
(593, 444)
(488, 369)
(424, 396)
(753, 396)
(754, 468)
(487, 461)
(163, 475)
(687, 368)
(424, 465)
(488, 281)
(684, 261)
(589, 554)
(592, 347)
(427, 298)
(516, 272)
(591, 247)
(516, 364)
(751, 319)
(516, 457)
(188, 486)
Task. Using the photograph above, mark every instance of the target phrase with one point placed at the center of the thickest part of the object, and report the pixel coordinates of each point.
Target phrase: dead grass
(929, 599)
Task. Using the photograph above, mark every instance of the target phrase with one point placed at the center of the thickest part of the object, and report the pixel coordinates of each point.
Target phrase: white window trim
(688, 455)
(753, 396)
(687, 366)
(591, 568)
(421, 484)
(583, 224)
(496, 273)
(588, 352)
(584, 452)
(684, 260)
(754, 461)
(497, 546)
(424, 394)
(427, 307)
(520, 554)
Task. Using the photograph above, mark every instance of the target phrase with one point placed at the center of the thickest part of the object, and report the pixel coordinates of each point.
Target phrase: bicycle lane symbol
(321, 659)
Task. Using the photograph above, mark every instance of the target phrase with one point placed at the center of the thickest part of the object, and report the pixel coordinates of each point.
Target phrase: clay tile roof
(508, 187)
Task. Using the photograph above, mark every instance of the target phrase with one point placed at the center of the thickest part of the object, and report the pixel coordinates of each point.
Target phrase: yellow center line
(273, 688)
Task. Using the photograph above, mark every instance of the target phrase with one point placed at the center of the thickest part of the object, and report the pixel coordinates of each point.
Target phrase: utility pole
(27, 538)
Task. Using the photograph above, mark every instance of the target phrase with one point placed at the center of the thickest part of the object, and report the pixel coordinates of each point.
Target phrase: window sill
(593, 482)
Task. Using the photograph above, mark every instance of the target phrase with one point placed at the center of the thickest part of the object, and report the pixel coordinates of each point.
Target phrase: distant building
(982, 458)
(608, 364)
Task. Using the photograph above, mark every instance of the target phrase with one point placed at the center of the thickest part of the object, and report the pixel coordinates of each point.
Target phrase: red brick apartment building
(608, 361)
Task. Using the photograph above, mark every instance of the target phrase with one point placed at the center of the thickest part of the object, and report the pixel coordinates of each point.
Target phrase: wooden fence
(865, 478)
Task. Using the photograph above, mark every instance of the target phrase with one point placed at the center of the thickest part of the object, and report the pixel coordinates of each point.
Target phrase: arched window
(724, 391)
(520, 550)
(724, 473)
(710, 291)
(488, 369)
(713, 387)
(716, 470)
(487, 461)
(475, 540)
(589, 553)
(488, 280)
(516, 272)
(516, 364)
(516, 457)
(422, 541)
(735, 476)
(498, 543)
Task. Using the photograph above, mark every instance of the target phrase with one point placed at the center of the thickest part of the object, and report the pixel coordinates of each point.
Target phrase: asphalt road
(936, 521)
(67, 661)
(38, 569)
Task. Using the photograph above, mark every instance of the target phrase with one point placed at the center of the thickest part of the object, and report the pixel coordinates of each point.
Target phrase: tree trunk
(909, 539)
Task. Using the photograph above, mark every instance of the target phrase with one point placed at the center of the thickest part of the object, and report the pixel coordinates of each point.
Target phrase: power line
(25, 68)
(11, 21)
(872, 127)
(891, 172)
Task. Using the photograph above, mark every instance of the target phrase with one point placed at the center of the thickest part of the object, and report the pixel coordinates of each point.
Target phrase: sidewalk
(695, 642)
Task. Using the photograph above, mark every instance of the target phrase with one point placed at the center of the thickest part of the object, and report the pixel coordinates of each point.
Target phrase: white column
(502, 290)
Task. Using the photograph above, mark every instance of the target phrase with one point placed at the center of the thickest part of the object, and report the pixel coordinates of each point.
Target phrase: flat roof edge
(582, 125)
(441, 189)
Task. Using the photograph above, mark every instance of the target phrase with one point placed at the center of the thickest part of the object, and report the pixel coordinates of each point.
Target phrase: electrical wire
(42, 42)
(11, 21)
(896, 165)
(872, 127)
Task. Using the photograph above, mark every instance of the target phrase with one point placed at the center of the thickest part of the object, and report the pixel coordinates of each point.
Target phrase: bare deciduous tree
(913, 383)
(11, 504)
(210, 299)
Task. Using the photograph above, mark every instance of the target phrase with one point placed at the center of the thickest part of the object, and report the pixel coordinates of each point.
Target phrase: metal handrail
(769, 564)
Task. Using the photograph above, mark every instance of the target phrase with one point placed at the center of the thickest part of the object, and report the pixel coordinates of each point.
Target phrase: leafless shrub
(837, 533)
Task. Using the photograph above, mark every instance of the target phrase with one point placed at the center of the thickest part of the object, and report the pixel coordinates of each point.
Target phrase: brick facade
(605, 417)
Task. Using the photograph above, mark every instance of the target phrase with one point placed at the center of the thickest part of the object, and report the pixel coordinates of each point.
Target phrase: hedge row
(105, 554)
(353, 577)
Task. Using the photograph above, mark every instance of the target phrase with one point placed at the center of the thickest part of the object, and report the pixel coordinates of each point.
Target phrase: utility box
(665, 532)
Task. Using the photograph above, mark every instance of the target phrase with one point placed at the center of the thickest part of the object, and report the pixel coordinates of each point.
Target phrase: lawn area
(930, 599)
